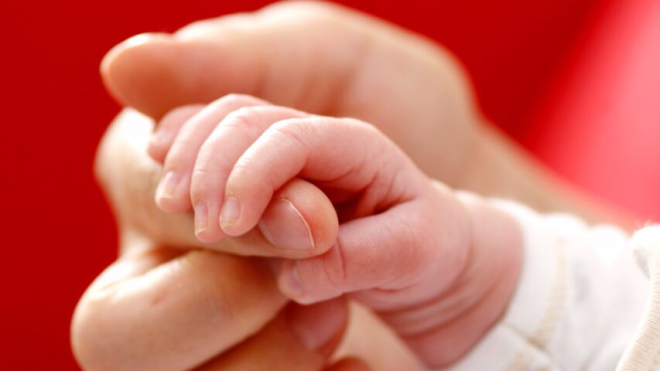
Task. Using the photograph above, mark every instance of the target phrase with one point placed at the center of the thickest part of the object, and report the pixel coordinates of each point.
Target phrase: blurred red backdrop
(58, 233)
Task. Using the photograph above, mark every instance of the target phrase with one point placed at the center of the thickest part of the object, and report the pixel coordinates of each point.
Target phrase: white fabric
(643, 353)
(579, 301)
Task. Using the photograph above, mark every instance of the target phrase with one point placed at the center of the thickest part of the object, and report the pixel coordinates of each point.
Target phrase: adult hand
(317, 57)
(314, 56)
(164, 306)
(339, 69)
(330, 60)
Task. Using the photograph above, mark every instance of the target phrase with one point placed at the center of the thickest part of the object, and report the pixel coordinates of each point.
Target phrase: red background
(58, 233)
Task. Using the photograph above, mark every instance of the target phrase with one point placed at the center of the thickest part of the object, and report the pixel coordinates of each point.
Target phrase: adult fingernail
(167, 186)
(316, 326)
(231, 210)
(285, 227)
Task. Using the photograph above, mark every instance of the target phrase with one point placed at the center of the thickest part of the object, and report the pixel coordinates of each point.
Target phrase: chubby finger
(384, 251)
(297, 219)
(439, 270)
(405, 255)
(129, 178)
(167, 129)
(300, 338)
(217, 156)
(388, 262)
(173, 192)
(162, 311)
(343, 154)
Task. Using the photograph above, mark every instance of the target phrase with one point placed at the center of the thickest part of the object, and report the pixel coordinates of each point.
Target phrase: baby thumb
(300, 217)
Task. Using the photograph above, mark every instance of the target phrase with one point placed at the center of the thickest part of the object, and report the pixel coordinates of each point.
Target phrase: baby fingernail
(167, 186)
(315, 326)
(201, 218)
(285, 227)
(290, 281)
(230, 212)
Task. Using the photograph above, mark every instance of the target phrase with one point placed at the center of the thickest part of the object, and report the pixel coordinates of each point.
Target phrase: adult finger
(301, 338)
(157, 310)
(313, 56)
(248, 53)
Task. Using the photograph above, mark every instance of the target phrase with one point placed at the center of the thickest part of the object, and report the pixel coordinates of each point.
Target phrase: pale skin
(116, 326)
(405, 247)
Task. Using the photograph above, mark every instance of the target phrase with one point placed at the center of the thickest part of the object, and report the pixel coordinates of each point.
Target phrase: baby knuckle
(243, 119)
(246, 171)
(288, 125)
(179, 158)
(334, 267)
(225, 299)
(200, 188)
(293, 130)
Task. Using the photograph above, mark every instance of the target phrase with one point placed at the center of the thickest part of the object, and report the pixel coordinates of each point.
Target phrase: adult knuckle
(361, 126)
(316, 13)
(235, 99)
(220, 301)
(224, 299)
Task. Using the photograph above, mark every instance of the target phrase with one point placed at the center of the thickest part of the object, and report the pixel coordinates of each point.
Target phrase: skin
(404, 244)
(151, 309)
(340, 60)
(346, 65)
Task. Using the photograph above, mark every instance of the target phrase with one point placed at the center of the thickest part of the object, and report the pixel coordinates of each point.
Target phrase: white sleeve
(579, 300)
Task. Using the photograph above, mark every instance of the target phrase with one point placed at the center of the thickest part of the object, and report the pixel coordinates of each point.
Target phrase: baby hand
(437, 267)
(300, 217)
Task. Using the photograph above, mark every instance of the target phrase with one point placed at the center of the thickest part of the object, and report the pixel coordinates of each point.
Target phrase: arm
(501, 168)
(580, 297)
